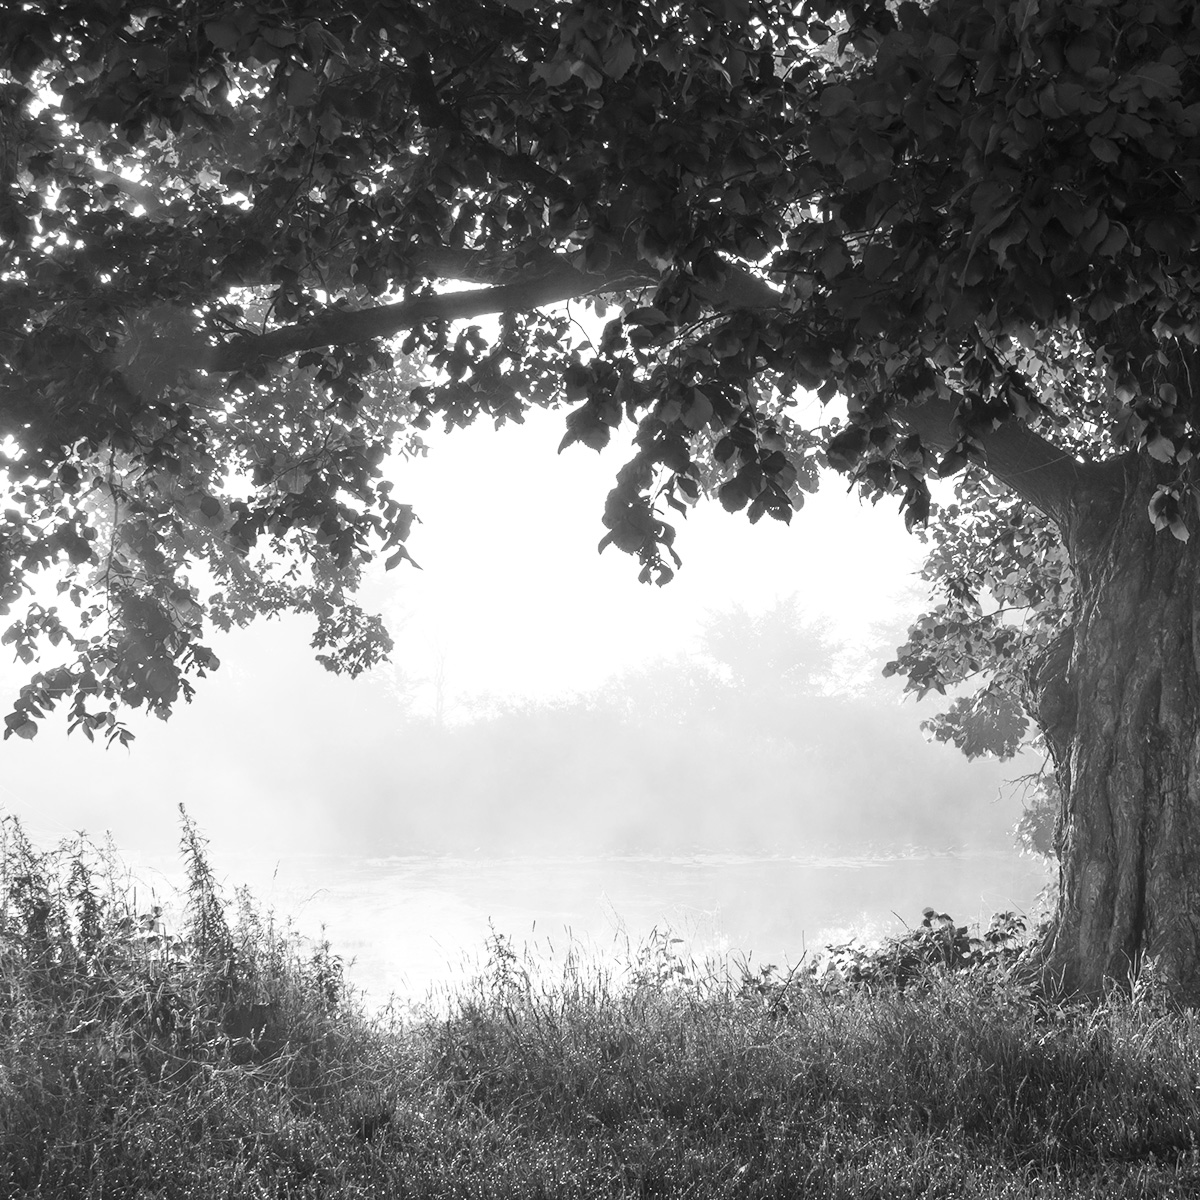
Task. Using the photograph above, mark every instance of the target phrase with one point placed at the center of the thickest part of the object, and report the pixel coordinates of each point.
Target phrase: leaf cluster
(1002, 584)
(937, 943)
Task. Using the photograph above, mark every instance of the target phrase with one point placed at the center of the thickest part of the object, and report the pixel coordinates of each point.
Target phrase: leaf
(698, 411)
(400, 555)
(592, 78)
(1161, 448)
(301, 87)
(953, 461)
(18, 723)
(1114, 242)
(279, 37)
(734, 494)
(1158, 80)
(1163, 507)
(835, 100)
(555, 73)
(222, 34)
(833, 260)
(1094, 237)
(576, 379)
(1082, 53)
(944, 60)
(619, 58)
(1163, 236)
(586, 425)
(822, 145)
(877, 260)
(1011, 235)
(403, 523)
(646, 316)
(846, 447)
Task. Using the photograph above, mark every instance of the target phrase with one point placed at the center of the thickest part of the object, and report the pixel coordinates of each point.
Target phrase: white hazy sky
(513, 601)
(513, 598)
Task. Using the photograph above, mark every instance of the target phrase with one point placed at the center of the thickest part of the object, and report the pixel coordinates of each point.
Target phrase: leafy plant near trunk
(937, 942)
(968, 226)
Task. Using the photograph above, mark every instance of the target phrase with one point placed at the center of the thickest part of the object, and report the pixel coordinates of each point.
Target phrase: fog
(542, 703)
(768, 739)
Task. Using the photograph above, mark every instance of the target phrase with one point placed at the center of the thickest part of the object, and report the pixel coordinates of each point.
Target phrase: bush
(938, 942)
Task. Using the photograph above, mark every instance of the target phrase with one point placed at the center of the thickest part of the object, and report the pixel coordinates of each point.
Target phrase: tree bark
(1119, 702)
(548, 279)
(350, 326)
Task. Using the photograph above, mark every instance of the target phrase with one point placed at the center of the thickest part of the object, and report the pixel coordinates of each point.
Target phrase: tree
(969, 226)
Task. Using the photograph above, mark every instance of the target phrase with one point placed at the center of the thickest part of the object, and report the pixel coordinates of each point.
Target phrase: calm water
(410, 924)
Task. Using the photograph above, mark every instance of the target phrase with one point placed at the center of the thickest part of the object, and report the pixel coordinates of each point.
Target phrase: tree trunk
(1119, 701)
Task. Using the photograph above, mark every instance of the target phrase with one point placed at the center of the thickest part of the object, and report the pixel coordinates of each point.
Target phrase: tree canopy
(974, 222)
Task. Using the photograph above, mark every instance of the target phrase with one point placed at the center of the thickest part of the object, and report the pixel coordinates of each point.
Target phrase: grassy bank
(228, 1059)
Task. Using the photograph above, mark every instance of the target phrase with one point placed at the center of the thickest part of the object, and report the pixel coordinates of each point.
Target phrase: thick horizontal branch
(554, 281)
(345, 327)
(1040, 472)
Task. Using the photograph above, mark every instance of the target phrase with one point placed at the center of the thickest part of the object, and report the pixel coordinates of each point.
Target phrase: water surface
(406, 925)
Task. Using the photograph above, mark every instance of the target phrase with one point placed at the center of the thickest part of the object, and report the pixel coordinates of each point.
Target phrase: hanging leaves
(968, 230)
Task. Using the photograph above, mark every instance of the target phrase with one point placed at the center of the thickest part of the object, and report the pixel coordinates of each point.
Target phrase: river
(413, 927)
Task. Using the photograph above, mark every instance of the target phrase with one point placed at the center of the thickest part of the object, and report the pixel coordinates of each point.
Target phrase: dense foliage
(215, 218)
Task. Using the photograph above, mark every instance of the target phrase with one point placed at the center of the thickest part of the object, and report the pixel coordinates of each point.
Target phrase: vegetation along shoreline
(230, 1058)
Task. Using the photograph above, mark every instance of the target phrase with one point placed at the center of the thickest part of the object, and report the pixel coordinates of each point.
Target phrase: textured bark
(1119, 701)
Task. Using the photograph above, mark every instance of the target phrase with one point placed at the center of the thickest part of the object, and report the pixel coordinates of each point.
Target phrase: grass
(229, 1059)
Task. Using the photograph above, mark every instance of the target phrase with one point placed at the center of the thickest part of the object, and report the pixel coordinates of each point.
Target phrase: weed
(228, 1058)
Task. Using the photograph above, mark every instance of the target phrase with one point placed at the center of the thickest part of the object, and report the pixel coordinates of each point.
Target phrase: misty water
(408, 926)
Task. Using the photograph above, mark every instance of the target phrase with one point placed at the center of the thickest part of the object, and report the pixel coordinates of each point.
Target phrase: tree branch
(1038, 471)
(139, 193)
(555, 282)
(344, 327)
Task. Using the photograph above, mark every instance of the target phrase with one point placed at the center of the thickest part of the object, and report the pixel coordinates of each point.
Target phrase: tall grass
(228, 1058)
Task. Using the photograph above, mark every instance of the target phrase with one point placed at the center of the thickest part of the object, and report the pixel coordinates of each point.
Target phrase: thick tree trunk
(1119, 702)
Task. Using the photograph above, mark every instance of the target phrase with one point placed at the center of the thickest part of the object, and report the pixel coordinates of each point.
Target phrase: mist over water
(410, 926)
(729, 763)
(758, 799)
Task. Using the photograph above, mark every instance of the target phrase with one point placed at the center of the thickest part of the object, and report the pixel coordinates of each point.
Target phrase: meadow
(224, 1056)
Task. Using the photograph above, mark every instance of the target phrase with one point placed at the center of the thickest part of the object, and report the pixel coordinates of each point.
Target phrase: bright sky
(514, 599)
